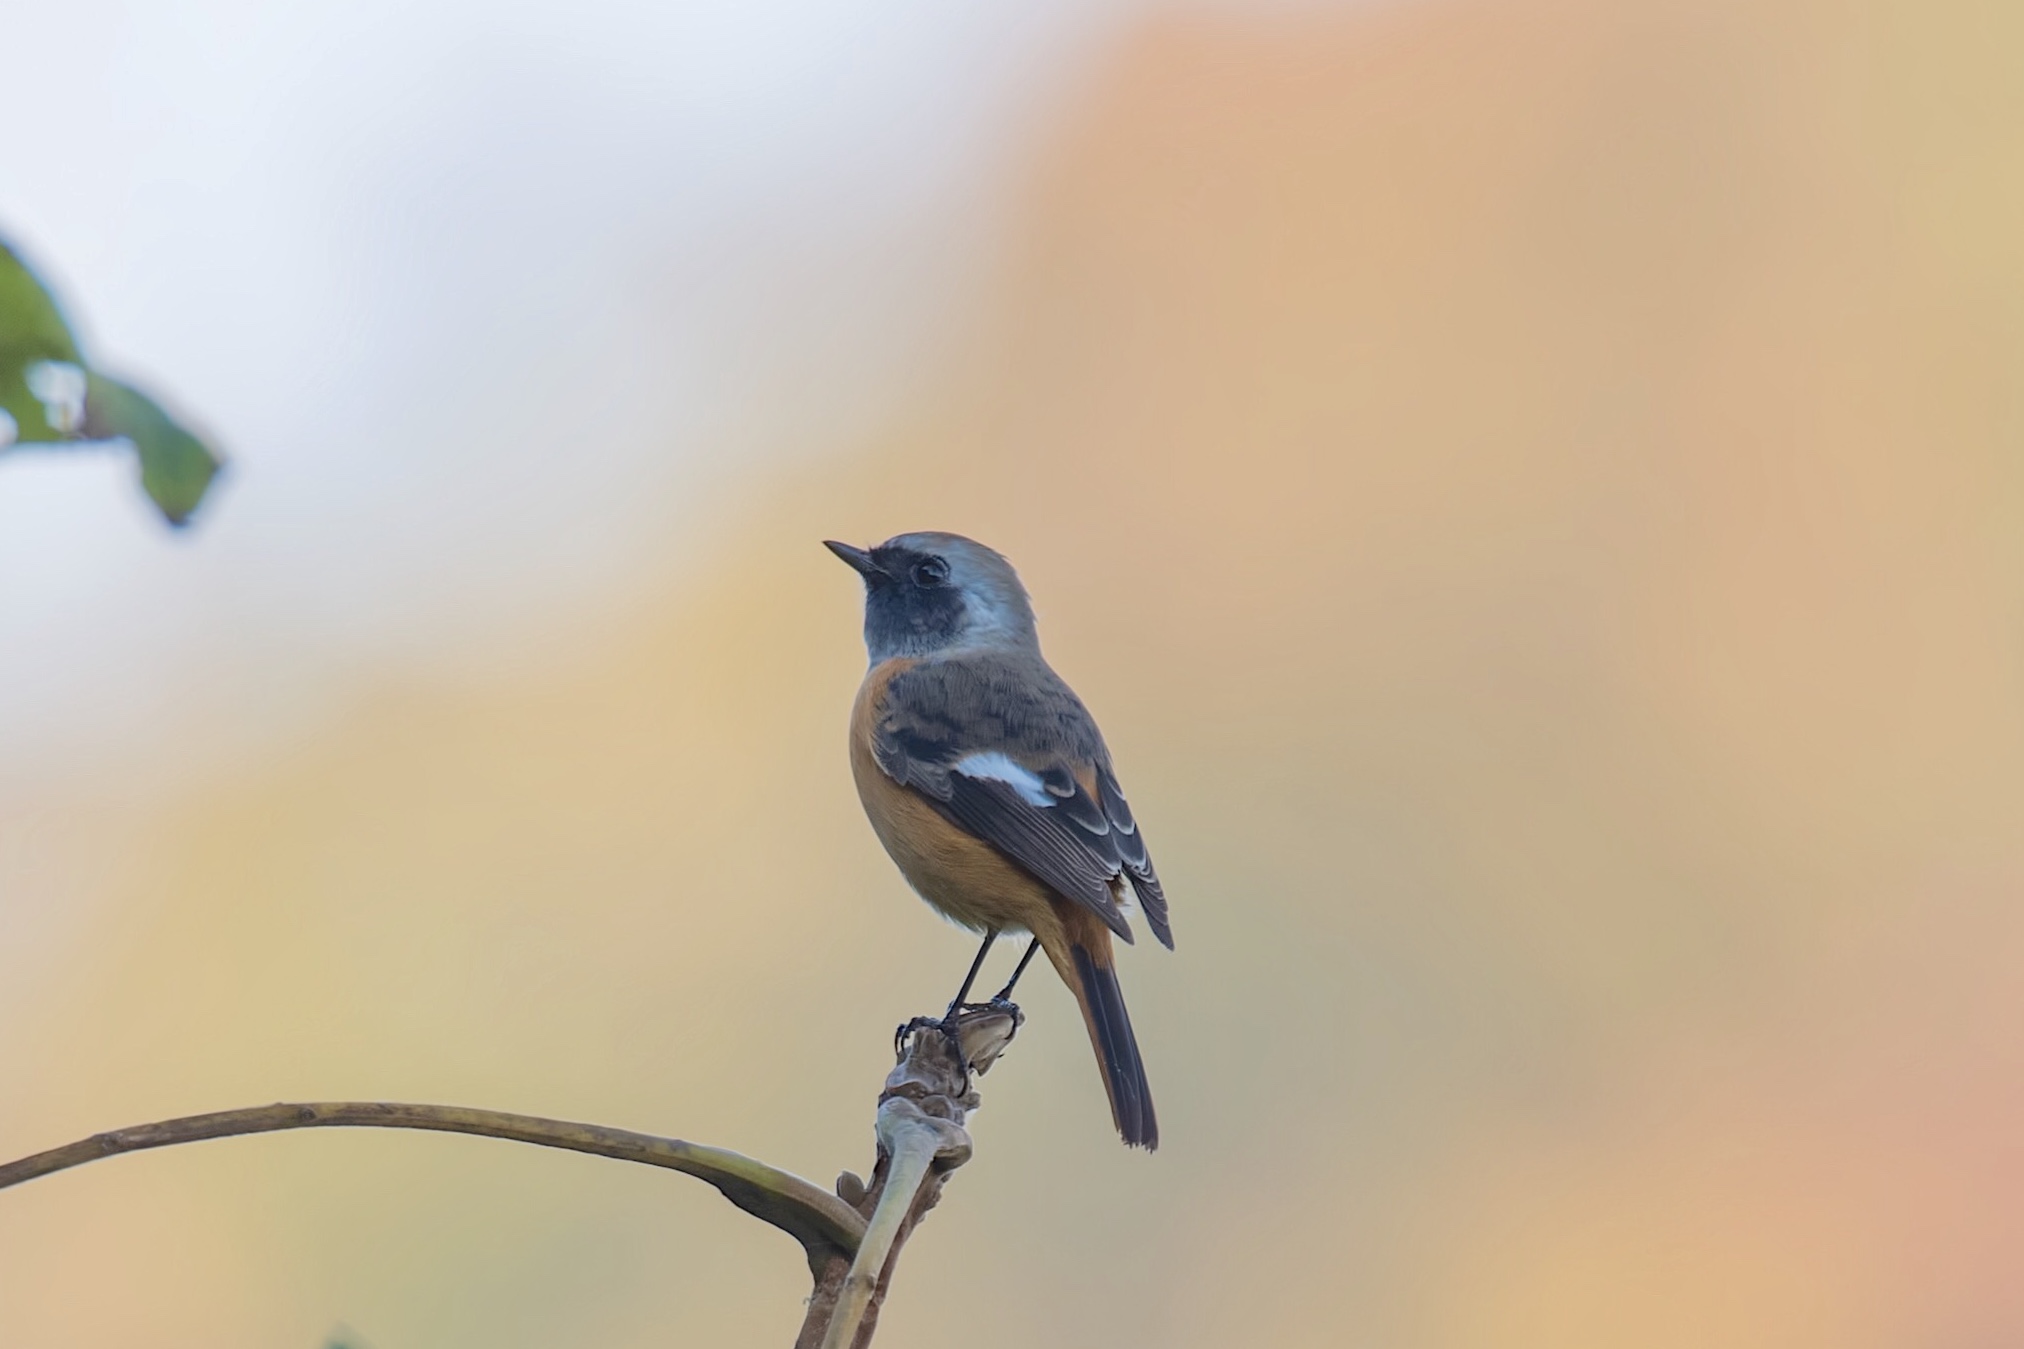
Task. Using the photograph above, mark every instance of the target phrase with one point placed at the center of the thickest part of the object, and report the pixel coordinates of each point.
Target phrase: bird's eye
(930, 572)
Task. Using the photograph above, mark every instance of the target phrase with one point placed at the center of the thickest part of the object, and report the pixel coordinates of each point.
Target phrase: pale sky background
(476, 297)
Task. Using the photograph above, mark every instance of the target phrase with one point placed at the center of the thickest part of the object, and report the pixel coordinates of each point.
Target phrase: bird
(991, 787)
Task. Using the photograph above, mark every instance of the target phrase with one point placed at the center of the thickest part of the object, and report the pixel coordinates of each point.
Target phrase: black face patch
(902, 615)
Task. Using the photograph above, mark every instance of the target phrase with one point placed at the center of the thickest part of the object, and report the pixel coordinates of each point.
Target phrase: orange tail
(1087, 968)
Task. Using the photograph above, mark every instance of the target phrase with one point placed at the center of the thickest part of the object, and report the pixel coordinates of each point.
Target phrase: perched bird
(990, 785)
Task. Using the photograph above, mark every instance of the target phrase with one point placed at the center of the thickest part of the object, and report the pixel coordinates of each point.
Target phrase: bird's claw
(949, 1026)
(905, 1032)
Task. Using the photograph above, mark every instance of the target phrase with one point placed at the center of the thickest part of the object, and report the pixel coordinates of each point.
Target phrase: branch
(827, 1228)
(913, 1142)
(921, 1140)
(851, 1256)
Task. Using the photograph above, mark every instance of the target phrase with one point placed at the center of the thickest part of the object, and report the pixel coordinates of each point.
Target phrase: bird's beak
(860, 561)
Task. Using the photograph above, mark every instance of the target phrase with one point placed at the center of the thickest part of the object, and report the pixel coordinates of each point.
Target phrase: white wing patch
(999, 767)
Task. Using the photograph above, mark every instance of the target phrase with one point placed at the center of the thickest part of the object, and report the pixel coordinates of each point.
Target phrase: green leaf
(177, 469)
(47, 393)
(34, 340)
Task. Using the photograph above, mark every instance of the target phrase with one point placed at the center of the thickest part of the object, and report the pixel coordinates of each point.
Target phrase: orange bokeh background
(1534, 493)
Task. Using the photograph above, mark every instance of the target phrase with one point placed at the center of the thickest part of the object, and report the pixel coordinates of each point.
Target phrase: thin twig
(821, 1222)
(920, 1135)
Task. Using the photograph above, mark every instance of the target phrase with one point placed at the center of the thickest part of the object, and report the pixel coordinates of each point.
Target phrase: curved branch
(821, 1222)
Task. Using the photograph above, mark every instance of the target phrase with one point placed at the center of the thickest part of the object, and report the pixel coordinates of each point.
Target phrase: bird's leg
(1003, 997)
(990, 936)
(947, 1025)
(949, 1031)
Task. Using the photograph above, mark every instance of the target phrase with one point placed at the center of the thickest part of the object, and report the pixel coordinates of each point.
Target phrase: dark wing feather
(1055, 850)
(1131, 852)
(1080, 843)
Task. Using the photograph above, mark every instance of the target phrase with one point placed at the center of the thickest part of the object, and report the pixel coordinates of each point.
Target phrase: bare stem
(921, 1140)
(821, 1222)
(913, 1154)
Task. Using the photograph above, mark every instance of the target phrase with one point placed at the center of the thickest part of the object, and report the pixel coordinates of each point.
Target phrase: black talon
(948, 1027)
(905, 1032)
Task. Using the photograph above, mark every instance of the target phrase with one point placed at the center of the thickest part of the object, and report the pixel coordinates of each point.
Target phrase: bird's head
(930, 592)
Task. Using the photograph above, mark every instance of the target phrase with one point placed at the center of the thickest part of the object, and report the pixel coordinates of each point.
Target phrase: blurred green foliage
(50, 395)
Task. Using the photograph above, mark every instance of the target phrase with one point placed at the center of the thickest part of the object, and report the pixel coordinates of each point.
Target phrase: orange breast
(954, 871)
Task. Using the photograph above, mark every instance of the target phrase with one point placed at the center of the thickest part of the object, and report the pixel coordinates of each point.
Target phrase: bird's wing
(1018, 763)
(1131, 852)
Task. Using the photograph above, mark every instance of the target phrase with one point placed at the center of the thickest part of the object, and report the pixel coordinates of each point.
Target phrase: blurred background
(1534, 490)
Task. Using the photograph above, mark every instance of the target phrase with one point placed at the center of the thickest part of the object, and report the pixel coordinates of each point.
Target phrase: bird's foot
(949, 1025)
(1003, 1014)
(1000, 1002)
(906, 1031)
(952, 1031)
